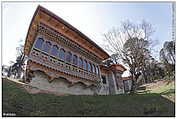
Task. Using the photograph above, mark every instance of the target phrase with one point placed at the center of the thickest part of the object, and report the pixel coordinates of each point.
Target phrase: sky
(91, 18)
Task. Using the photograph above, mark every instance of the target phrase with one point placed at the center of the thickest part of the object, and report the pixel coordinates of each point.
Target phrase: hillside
(165, 88)
(16, 100)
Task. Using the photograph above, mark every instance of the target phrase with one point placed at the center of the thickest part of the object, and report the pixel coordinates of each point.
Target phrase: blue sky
(91, 18)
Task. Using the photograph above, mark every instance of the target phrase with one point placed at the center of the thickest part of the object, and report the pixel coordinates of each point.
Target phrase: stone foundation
(40, 80)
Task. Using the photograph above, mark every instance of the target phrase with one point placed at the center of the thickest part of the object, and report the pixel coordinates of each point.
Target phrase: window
(103, 79)
(97, 70)
(93, 68)
(75, 59)
(54, 50)
(89, 67)
(68, 57)
(80, 62)
(62, 54)
(39, 43)
(117, 84)
(85, 65)
(126, 86)
(117, 77)
(47, 46)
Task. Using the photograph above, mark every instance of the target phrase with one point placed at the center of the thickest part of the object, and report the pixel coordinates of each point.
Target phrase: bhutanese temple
(62, 59)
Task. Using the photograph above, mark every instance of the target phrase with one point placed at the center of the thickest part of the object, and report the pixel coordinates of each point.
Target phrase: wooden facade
(60, 51)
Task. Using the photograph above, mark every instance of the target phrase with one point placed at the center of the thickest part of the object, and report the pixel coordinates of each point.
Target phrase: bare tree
(129, 44)
(4, 70)
(116, 37)
(167, 56)
(167, 53)
(135, 55)
(16, 68)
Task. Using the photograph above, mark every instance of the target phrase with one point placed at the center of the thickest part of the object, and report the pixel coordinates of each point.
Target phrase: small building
(127, 81)
(62, 59)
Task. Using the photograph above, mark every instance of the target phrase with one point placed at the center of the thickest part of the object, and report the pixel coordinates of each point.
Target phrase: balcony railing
(45, 59)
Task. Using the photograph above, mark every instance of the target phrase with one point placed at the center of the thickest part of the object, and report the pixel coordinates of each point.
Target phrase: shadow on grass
(155, 104)
(142, 88)
(18, 101)
(168, 92)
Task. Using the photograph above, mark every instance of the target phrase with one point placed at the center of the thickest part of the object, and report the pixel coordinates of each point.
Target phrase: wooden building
(62, 59)
(127, 81)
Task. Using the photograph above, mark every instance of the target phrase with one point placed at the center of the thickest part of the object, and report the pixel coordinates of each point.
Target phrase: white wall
(58, 85)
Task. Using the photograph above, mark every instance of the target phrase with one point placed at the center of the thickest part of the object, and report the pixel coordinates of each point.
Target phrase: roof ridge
(72, 27)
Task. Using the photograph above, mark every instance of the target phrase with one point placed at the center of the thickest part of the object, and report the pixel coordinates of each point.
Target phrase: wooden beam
(49, 19)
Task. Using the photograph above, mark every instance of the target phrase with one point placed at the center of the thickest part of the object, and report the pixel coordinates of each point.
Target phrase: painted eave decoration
(127, 78)
(112, 67)
(118, 67)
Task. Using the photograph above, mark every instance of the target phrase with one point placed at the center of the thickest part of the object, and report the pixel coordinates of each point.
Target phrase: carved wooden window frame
(62, 54)
(53, 52)
(80, 62)
(37, 43)
(75, 59)
(68, 56)
(45, 46)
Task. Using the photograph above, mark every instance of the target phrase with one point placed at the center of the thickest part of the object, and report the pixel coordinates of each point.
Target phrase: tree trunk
(9, 72)
(133, 86)
(145, 76)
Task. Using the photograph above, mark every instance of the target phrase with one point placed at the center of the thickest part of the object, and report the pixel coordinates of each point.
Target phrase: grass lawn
(17, 100)
(164, 88)
(168, 90)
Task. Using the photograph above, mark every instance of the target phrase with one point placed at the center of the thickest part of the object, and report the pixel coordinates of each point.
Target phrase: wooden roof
(127, 78)
(53, 20)
(118, 67)
(112, 67)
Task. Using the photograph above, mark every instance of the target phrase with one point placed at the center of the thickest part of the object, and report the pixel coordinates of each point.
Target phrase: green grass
(167, 89)
(17, 100)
